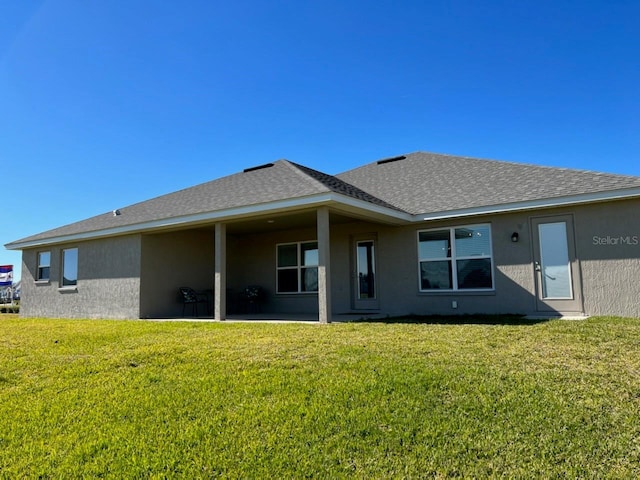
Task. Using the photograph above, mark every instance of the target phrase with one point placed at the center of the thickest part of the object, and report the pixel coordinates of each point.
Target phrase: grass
(120, 399)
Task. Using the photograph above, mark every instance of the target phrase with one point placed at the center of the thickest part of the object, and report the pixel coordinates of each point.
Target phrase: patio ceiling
(279, 222)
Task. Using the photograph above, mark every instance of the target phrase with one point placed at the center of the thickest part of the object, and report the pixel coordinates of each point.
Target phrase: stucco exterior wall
(137, 276)
(108, 281)
(608, 245)
(252, 261)
(607, 237)
(397, 270)
(172, 260)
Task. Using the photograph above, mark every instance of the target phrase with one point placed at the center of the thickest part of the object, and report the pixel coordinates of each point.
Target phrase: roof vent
(392, 159)
(259, 167)
(116, 212)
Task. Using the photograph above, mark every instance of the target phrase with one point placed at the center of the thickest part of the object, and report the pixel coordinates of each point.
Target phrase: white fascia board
(324, 199)
(221, 215)
(532, 204)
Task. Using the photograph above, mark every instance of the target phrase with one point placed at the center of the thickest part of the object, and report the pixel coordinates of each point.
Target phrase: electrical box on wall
(454, 304)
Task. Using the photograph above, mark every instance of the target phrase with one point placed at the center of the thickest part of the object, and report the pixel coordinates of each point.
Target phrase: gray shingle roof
(282, 180)
(418, 183)
(339, 186)
(427, 183)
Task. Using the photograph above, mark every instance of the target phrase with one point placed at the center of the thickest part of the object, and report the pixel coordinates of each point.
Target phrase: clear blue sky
(104, 104)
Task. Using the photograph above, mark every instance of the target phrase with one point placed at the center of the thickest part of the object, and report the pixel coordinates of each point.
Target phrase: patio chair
(253, 296)
(188, 296)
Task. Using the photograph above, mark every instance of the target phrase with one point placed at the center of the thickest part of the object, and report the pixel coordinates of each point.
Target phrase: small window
(297, 270)
(44, 266)
(456, 259)
(69, 267)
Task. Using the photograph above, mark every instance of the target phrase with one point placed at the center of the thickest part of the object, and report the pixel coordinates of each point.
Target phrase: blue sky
(104, 104)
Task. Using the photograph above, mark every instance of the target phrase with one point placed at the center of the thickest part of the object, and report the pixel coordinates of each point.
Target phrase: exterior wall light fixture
(514, 237)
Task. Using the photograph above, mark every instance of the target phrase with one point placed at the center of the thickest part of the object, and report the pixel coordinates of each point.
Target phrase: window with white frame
(457, 258)
(44, 266)
(297, 267)
(69, 267)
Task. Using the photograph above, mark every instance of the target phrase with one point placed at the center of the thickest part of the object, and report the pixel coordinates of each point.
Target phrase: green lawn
(124, 399)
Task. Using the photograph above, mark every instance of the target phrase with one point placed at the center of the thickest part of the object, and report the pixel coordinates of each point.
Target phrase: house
(420, 233)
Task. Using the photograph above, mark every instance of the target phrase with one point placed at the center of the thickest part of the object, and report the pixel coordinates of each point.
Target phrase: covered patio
(243, 253)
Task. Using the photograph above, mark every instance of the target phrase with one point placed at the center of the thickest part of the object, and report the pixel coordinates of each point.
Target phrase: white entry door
(557, 272)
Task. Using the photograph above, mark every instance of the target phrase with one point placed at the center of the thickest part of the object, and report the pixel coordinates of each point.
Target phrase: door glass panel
(554, 260)
(366, 270)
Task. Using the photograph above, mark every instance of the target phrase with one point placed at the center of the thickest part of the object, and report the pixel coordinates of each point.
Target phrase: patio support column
(324, 259)
(220, 282)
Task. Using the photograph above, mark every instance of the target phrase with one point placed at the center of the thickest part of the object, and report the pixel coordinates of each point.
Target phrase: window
(44, 266)
(297, 270)
(366, 266)
(456, 258)
(69, 267)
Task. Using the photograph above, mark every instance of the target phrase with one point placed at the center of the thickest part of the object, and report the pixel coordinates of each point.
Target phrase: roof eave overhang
(532, 204)
(338, 202)
(342, 203)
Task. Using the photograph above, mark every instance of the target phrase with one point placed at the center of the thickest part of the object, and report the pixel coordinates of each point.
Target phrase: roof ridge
(343, 187)
(299, 170)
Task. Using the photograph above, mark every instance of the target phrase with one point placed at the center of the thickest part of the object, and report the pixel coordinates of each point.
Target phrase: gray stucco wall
(607, 238)
(397, 270)
(138, 276)
(108, 281)
(252, 260)
(608, 245)
(172, 260)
